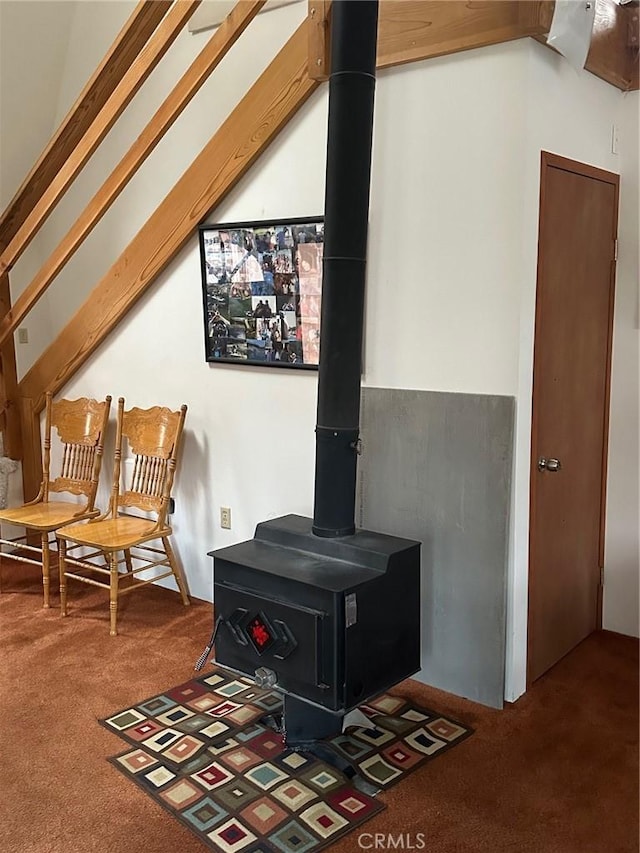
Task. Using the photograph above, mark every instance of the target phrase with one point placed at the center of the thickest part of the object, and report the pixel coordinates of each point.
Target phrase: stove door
(294, 641)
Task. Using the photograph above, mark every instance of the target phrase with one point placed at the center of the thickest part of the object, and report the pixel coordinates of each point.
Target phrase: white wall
(451, 269)
(444, 244)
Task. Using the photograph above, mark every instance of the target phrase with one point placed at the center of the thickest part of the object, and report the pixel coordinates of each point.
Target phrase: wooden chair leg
(128, 561)
(45, 567)
(62, 568)
(113, 593)
(176, 568)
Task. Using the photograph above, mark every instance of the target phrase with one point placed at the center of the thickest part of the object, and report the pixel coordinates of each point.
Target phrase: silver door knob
(550, 465)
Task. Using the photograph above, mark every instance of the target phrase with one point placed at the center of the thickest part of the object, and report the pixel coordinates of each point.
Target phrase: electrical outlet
(225, 517)
(23, 335)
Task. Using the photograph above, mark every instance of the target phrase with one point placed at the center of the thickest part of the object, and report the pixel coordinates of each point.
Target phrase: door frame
(549, 161)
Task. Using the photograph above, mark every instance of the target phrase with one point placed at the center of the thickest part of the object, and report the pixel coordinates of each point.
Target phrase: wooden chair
(77, 428)
(153, 438)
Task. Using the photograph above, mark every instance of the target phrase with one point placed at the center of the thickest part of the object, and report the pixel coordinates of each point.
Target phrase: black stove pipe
(354, 31)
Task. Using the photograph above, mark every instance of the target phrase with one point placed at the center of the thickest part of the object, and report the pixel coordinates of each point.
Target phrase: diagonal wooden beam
(151, 54)
(121, 55)
(277, 94)
(319, 39)
(9, 410)
(31, 447)
(211, 55)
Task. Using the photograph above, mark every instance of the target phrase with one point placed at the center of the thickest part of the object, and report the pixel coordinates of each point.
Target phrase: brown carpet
(557, 771)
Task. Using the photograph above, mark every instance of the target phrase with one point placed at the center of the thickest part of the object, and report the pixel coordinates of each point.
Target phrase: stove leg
(305, 723)
(329, 756)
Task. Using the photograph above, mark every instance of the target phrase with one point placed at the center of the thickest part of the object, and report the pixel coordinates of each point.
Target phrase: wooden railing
(409, 31)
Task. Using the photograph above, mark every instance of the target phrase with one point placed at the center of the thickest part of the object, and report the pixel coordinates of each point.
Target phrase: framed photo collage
(262, 290)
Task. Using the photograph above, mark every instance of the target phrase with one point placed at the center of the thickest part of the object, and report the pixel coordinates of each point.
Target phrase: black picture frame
(262, 292)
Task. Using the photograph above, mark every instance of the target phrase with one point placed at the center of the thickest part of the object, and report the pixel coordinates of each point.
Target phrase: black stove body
(329, 622)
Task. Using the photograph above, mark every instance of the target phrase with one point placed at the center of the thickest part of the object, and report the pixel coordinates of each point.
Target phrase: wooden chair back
(80, 426)
(152, 437)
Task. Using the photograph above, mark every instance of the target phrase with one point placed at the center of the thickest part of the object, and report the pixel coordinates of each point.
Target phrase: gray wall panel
(437, 467)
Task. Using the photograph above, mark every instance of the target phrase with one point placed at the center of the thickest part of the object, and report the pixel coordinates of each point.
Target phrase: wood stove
(327, 614)
(329, 622)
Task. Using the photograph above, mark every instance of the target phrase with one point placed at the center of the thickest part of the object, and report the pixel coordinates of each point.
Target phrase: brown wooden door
(574, 310)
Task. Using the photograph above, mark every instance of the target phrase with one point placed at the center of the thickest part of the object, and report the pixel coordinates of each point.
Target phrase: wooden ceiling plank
(608, 56)
(147, 60)
(277, 94)
(412, 30)
(121, 55)
(207, 60)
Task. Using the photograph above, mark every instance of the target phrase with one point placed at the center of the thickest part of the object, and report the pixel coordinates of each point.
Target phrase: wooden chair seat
(46, 516)
(115, 534)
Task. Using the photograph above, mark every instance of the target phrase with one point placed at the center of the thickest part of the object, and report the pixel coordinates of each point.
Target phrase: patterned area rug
(205, 752)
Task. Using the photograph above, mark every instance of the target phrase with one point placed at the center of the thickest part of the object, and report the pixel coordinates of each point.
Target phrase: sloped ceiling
(34, 38)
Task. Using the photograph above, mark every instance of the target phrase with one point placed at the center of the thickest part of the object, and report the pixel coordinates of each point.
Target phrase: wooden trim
(412, 30)
(615, 181)
(634, 80)
(277, 94)
(32, 448)
(207, 60)
(10, 416)
(555, 161)
(533, 442)
(319, 39)
(121, 55)
(633, 46)
(150, 56)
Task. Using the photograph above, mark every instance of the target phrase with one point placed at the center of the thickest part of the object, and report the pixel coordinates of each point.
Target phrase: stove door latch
(265, 677)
